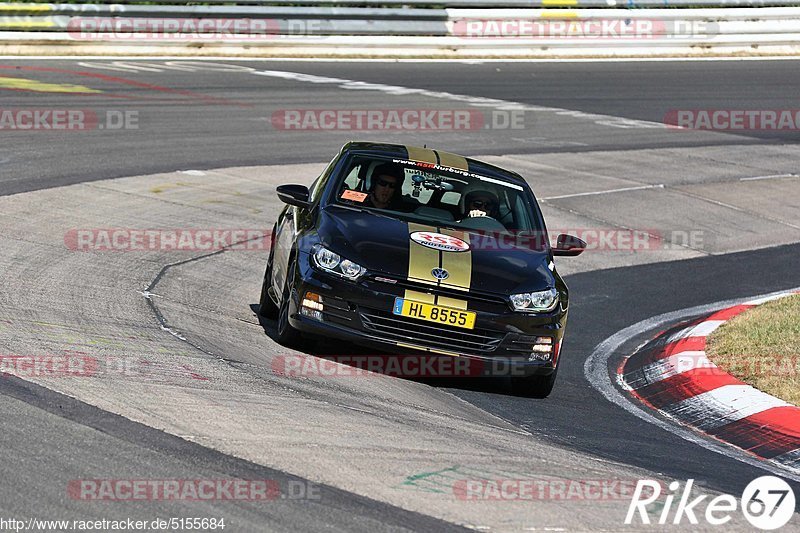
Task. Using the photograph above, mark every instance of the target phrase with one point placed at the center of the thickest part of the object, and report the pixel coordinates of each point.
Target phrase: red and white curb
(672, 375)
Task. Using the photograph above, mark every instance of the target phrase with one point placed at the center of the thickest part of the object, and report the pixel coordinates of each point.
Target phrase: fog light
(539, 356)
(313, 300)
(310, 313)
(312, 306)
(542, 350)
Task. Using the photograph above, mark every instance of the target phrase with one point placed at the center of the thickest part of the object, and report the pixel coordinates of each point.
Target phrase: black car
(402, 248)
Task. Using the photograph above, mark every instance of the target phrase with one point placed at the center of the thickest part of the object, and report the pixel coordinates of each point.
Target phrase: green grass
(762, 348)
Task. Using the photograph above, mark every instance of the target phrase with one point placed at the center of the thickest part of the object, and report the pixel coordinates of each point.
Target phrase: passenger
(478, 200)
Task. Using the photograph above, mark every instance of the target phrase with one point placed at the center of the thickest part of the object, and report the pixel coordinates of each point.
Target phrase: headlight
(541, 301)
(327, 259)
(333, 262)
(350, 269)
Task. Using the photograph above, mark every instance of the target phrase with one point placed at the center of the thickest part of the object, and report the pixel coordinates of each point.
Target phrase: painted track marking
(597, 372)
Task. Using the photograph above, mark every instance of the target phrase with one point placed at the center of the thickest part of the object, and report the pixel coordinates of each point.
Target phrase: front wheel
(534, 386)
(266, 307)
(287, 335)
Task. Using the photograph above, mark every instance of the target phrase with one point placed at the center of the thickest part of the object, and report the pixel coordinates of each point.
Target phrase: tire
(534, 386)
(287, 335)
(266, 307)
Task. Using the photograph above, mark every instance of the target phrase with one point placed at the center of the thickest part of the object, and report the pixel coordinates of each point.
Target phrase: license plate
(434, 313)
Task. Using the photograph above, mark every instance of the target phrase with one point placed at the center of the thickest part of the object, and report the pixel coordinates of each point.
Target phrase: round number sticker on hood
(439, 241)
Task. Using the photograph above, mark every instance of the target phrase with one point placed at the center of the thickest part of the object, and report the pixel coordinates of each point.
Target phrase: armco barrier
(487, 4)
(258, 30)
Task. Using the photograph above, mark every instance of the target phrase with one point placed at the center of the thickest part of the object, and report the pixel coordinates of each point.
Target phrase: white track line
(765, 299)
(610, 191)
(596, 371)
(477, 101)
(772, 177)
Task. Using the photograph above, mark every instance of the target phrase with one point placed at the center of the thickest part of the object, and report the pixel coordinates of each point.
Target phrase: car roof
(430, 155)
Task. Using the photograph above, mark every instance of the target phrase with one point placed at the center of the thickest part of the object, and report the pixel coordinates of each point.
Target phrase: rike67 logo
(767, 502)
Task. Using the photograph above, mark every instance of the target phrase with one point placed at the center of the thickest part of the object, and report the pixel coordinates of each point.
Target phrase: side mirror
(569, 245)
(296, 195)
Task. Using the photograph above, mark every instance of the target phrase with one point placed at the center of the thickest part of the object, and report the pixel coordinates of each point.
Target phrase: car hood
(384, 246)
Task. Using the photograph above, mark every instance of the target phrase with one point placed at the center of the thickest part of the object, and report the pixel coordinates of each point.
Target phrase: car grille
(479, 301)
(402, 329)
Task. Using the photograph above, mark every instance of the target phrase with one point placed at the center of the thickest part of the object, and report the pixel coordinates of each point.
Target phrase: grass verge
(762, 348)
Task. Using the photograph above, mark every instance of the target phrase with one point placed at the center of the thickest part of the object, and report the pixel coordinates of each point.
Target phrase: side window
(319, 184)
(354, 181)
(355, 177)
(519, 213)
(351, 181)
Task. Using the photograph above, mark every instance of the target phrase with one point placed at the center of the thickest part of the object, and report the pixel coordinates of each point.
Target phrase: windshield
(435, 195)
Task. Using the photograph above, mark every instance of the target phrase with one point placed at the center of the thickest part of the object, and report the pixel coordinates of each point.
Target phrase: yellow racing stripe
(421, 259)
(458, 264)
(426, 155)
(423, 297)
(452, 160)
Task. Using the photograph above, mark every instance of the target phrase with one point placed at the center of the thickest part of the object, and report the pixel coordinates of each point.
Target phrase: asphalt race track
(205, 153)
(183, 130)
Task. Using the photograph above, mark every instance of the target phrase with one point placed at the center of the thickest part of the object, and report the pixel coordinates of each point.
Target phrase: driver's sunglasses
(488, 204)
(384, 183)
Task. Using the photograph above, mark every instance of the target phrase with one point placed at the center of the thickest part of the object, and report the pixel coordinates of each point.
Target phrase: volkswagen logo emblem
(440, 273)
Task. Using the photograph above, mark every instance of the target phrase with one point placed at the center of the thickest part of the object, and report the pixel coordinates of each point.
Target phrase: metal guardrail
(427, 4)
(255, 19)
(309, 21)
(384, 25)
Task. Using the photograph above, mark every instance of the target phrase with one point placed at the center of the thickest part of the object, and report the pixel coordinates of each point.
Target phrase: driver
(387, 184)
(479, 200)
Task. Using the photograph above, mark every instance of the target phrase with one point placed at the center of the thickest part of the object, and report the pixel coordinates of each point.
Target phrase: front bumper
(361, 313)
